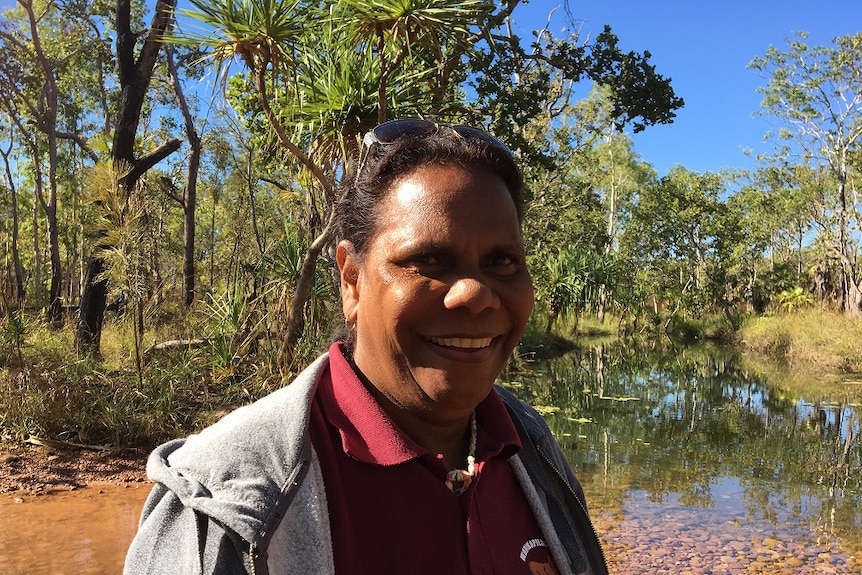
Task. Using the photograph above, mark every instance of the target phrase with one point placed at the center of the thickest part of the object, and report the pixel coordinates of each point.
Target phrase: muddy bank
(35, 470)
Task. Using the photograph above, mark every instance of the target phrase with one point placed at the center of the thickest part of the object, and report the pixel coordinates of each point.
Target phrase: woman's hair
(357, 211)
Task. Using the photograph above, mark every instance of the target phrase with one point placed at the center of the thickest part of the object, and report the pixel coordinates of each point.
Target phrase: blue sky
(704, 47)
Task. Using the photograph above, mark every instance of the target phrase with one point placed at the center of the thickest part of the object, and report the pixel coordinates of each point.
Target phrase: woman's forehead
(448, 201)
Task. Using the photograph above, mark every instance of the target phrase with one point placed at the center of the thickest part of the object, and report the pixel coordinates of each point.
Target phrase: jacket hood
(236, 470)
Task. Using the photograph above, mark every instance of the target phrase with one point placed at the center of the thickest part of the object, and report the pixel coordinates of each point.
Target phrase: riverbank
(38, 470)
(821, 341)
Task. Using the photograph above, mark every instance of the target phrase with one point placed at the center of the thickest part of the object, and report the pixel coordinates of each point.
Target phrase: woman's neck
(448, 437)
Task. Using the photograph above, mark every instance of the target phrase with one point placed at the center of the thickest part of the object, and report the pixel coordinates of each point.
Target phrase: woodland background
(169, 172)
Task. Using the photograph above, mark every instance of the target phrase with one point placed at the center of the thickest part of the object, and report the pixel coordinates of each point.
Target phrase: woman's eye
(425, 263)
(503, 264)
(425, 259)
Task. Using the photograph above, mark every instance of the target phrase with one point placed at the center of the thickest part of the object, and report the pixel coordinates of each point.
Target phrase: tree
(188, 200)
(17, 268)
(816, 91)
(135, 74)
(32, 97)
(324, 75)
(675, 233)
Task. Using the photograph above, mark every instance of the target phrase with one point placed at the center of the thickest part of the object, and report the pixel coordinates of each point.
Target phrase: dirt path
(36, 469)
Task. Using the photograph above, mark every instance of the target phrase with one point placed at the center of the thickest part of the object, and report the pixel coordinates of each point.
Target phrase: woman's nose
(471, 293)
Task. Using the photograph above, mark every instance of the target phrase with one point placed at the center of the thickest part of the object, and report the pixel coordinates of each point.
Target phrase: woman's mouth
(461, 342)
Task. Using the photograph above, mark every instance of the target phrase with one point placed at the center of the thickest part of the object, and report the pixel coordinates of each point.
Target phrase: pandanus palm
(438, 31)
(268, 37)
(324, 74)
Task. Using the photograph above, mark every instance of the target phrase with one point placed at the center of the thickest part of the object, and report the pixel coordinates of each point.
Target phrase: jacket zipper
(580, 503)
(253, 555)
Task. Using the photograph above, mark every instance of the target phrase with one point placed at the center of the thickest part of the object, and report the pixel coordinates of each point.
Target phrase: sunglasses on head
(389, 132)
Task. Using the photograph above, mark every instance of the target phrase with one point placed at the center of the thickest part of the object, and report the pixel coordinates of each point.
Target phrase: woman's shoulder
(254, 440)
(530, 419)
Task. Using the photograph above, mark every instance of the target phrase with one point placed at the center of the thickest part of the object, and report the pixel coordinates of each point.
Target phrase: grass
(48, 392)
(824, 341)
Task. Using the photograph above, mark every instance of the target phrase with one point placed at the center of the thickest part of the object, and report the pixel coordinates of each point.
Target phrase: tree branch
(82, 143)
(146, 162)
(170, 190)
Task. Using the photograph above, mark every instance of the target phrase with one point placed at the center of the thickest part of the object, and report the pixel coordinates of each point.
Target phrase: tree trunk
(190, 189)
(303, 288)
(854, 298)
(55, 306)
(18, 269)
(47, 123)
(91, 309)
(189, 206)
(37, 245)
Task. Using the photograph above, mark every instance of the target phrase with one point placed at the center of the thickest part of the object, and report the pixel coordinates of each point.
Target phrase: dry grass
(820, 339)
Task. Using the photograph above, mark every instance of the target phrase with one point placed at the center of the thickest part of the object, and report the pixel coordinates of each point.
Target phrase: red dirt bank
(37, 470)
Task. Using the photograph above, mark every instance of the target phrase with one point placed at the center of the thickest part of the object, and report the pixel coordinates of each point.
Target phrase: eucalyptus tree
(35, 58)
(615, 173)
(816, 92)
(674, 234)
(773, 214)
(581, 202)
(188, 199)
(15, 225)
(135, 72)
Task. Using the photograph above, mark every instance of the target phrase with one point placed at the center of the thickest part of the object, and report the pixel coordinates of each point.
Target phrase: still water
(82, 532)
(690, 464)
(693, 464)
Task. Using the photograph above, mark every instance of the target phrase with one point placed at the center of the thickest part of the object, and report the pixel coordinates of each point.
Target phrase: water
(690, 465)
(82, 532)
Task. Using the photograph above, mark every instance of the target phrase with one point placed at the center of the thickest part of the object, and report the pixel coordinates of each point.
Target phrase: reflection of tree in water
(698, 417)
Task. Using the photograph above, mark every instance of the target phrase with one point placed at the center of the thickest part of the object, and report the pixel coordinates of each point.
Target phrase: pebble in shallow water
(660, 545)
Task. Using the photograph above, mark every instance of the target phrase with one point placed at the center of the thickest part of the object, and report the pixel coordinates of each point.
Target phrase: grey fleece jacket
(246, 495)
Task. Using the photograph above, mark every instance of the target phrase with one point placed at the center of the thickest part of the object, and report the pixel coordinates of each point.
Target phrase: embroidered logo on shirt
(537, 556)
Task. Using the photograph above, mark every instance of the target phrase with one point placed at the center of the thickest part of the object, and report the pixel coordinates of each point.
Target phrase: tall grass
(85, 401)
(46, 391)
(819, 339)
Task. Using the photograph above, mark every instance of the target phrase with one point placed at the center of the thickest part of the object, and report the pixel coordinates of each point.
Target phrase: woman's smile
(462, 342)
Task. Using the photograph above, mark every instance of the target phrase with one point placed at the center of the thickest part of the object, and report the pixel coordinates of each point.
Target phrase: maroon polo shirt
(389, 509)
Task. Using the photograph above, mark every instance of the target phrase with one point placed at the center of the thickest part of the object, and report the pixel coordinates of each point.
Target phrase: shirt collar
(369, 435)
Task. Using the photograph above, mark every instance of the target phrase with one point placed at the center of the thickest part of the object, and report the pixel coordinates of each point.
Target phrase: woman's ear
(348, 267)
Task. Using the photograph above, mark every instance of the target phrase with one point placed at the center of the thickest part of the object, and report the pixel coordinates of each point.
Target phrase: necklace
(458, 480)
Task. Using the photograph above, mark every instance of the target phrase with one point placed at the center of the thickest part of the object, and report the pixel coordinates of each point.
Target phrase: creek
(693, 464)
(690, 463)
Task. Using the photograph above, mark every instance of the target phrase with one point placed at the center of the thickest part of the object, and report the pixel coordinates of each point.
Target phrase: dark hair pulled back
(357, 212)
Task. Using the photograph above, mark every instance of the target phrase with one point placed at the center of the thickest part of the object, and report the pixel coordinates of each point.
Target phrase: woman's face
(442, 293)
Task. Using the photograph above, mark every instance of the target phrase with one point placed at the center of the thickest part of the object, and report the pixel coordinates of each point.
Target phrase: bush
(52, 394)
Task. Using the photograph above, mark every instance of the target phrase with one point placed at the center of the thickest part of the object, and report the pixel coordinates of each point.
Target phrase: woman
(394, 452)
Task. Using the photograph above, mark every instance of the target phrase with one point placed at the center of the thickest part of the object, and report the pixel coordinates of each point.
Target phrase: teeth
(462, 342)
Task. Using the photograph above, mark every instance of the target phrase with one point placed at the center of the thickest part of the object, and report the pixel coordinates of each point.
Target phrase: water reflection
(678, 428)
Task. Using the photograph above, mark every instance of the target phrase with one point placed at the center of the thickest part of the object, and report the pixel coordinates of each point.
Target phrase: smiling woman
(394, 452)
(440, 296)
